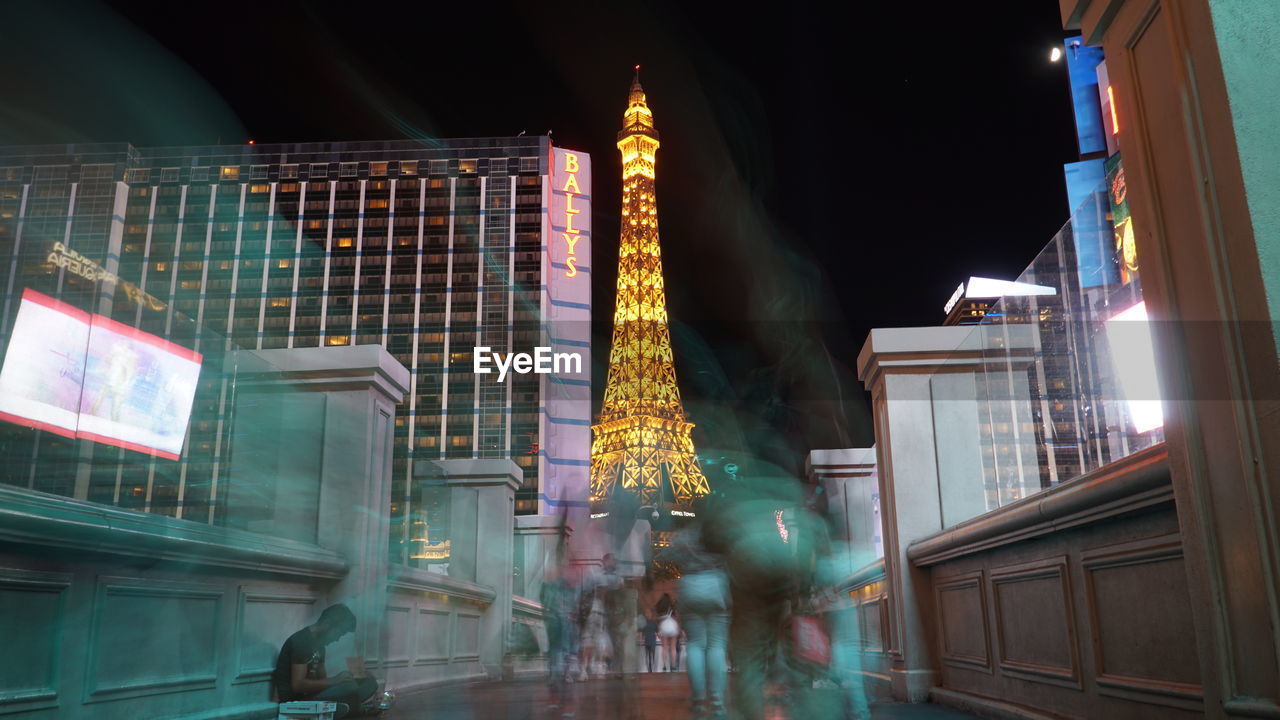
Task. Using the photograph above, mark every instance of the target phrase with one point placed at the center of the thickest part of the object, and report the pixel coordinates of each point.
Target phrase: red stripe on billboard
(39, 298)
(38, 425)
(116, 442)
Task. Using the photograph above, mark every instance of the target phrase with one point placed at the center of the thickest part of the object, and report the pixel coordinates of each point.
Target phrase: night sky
(820, 174)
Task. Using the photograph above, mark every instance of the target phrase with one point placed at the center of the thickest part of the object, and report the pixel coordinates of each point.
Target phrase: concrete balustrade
(113, 614)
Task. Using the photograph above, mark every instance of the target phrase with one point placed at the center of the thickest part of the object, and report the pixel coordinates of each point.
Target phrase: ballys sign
(570, 211)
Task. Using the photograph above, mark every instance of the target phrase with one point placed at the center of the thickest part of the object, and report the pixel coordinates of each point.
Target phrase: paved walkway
(659, 696)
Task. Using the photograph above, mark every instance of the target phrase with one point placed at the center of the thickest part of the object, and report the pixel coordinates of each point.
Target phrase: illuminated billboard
(88, 376)
(43, 372)
(1133, 355)
(1126, 252)
(1082, 69)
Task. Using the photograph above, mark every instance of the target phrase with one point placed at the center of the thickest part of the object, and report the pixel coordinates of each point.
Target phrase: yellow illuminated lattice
(643, 437)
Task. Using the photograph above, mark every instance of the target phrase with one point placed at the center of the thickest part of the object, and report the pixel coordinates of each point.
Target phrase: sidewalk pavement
(659, 696)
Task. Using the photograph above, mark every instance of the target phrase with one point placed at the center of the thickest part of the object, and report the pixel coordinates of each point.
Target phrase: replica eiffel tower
(642, 443)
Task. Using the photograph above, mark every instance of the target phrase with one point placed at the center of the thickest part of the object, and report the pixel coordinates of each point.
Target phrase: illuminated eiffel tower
(642, 442)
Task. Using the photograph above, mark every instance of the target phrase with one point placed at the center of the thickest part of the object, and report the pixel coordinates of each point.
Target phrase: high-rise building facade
(430, 250)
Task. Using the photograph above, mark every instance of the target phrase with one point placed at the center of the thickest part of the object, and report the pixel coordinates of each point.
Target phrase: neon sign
(1115, 119)
(570, 234)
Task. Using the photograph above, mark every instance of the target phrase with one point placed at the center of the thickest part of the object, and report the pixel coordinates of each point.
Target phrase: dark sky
(822, 172)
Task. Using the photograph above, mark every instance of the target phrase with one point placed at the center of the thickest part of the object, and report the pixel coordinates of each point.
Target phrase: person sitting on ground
(300, 672)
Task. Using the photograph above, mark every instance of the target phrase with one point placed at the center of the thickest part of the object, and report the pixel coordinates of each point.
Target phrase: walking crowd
(754, 602)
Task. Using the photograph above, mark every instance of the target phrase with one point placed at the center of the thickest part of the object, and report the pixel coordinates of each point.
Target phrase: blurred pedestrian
(705, 603)
(650, 632)
(668, 631)
(759, 530)
(559, 599)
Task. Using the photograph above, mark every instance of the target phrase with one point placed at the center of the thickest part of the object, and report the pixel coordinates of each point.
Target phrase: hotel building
(429, 249)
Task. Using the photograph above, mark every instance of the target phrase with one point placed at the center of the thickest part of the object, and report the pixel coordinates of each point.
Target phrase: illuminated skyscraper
(642, 442)
(428, 251)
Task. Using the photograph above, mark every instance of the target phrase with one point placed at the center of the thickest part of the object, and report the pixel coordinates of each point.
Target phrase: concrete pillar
(620, 609)
(349, 394)
(482, 530)
(537, 537)
(926, 433)
(848, 477)
(1195, 94)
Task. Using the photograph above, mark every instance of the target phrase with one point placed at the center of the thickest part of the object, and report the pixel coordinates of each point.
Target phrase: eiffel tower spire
(642, 442)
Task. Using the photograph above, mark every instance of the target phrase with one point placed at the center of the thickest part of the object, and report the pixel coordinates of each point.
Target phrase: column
(848, 477)
(926, 434)
(482, 496)
(351, 392)
(1196, 106)
(537, 536)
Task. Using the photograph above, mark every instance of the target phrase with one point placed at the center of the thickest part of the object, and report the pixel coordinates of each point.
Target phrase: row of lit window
(290, 171)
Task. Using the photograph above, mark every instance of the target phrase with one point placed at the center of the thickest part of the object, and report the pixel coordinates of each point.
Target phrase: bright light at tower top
(638, 140)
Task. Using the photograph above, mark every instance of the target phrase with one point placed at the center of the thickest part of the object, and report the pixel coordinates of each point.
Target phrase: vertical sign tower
(565, 416)
(642, 442)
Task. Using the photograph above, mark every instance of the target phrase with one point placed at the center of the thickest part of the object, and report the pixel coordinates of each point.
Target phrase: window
(343, 242)
(137, 175)
(169, 175)
(348, 169)
(288, 172)
(377, 168)
(466, 167)
(259, 188)
(319, 170)
(498, 166)
(337, 340)
(51, 173)
(258, 172)
(199, 174)
(97, 171)
(230, 172)
(438, 167)
(380, 204)
(408, 167)
(529, 164)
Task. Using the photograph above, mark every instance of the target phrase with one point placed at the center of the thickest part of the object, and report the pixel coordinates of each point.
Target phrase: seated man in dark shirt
(300, 669)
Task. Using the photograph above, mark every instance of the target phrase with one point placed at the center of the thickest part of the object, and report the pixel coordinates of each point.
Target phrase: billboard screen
(1126, 252)
(1133, 354)
(43, 370)
(88, 376)
(1082, 64)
